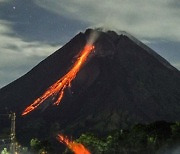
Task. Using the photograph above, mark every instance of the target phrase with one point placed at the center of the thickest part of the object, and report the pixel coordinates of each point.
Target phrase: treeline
(158, 137)
(155, 138)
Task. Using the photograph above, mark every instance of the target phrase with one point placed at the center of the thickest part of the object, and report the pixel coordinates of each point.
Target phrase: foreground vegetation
(155, 138)
(158, 137)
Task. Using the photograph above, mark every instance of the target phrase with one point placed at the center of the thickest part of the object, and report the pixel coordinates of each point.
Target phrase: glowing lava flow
(57, 89)
(77, 148)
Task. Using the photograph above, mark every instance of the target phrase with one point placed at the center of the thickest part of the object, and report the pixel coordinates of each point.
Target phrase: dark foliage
(159, 137)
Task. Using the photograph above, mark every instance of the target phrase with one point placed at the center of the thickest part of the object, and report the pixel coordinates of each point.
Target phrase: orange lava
(77, 148)
(57, 89)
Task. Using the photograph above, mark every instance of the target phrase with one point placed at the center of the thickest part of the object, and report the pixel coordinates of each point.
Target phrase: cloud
(142, 18)
(18, 56)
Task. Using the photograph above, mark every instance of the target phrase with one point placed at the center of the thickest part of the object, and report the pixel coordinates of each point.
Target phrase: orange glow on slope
(77, 148)
(57, 89)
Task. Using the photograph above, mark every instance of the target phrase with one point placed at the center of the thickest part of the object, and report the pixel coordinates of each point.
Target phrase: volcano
(121, 83)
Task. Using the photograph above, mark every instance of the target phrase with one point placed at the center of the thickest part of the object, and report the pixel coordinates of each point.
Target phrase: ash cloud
(92, 37)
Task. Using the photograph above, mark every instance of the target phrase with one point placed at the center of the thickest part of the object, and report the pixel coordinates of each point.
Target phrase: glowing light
(77, 148)
(57, 89)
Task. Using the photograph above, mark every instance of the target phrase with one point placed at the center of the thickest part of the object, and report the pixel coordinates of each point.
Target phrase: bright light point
(14, 7)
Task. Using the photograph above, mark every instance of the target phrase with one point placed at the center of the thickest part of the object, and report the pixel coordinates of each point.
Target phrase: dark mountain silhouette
(123, 82)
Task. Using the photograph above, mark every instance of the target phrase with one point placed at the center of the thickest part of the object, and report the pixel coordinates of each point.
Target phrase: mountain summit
(121, 83)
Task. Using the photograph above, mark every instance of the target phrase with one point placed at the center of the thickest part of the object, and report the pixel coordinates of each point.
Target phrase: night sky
(30, 30)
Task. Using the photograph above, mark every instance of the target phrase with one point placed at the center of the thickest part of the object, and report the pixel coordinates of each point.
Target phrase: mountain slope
(121, 83)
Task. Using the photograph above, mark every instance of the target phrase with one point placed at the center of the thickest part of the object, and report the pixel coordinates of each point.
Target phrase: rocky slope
(123, 82)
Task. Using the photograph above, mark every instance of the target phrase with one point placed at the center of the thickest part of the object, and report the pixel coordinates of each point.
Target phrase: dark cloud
(34, 23)
(18, 56)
